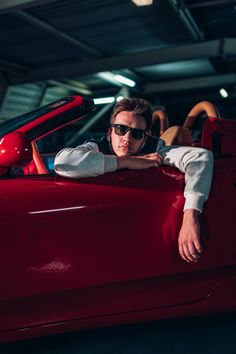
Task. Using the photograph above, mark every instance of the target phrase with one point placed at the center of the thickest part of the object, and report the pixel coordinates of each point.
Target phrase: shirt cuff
(194, 201)
(110, 163)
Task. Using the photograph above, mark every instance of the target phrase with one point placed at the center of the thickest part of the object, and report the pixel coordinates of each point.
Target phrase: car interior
(213, 133)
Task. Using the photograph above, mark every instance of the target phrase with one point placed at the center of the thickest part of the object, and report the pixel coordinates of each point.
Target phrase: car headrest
(219, 136)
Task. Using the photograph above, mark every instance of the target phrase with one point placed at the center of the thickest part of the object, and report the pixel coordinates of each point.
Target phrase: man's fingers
(198, 246)
(194, 251)
(152, 161)
(159, 160)
(182, 253)
(189, 252)
(154, 156)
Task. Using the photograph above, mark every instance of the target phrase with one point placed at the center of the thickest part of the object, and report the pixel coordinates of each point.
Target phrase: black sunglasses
(121, 129)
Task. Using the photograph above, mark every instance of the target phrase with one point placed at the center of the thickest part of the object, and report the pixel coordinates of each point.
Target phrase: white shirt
(197, 163)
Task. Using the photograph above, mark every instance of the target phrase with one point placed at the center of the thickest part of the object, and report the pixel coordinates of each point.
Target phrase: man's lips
(124, 147)
(127, 150)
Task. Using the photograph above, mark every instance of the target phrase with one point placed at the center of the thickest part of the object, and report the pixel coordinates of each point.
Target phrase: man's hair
(138, 106)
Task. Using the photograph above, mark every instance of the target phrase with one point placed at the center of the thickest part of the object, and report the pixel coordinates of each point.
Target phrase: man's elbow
(209, 157)
(65, 165)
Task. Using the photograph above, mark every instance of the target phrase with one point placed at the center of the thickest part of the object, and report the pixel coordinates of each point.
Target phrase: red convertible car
(82, 253)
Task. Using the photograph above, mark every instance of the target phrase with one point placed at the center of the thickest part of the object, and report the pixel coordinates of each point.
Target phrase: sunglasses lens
(121, 129)
(137, 133)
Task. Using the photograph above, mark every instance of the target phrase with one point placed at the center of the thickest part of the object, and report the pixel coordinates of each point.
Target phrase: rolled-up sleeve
(197, 164)
(83, 161)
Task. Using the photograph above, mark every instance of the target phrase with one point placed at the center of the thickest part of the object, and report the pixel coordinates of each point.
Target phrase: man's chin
(124, 153)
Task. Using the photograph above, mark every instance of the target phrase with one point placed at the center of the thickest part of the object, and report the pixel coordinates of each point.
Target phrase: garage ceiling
(166, 47)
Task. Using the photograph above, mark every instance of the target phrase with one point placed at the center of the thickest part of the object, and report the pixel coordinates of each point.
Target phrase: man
(127, 145)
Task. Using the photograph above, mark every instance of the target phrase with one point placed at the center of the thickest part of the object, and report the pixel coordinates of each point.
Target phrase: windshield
(17, 122)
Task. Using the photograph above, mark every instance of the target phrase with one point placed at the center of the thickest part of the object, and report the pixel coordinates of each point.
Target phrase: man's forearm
(139, 162)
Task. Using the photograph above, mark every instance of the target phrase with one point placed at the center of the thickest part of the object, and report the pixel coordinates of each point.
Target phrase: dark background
(196, 335)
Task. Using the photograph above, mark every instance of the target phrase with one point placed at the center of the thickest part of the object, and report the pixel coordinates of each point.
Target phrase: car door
(77, 249)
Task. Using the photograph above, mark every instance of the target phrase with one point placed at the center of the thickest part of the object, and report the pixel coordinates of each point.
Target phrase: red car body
(82, 253)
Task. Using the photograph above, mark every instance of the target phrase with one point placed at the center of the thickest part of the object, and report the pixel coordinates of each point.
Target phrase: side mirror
(15, 150)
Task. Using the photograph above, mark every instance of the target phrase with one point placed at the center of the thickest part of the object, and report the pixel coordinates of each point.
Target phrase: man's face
(125, 145)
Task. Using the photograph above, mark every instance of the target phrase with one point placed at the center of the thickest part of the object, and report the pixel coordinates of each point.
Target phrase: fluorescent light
(104, 100)
(110, 77)
(125, 81)
(119, 98)
(142, 2)
(116, 79)
(224, 93)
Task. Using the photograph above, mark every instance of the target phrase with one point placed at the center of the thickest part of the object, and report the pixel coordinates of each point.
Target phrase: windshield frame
(19, 121)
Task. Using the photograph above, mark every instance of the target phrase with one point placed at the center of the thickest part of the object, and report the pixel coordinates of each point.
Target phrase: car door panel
(107, 245)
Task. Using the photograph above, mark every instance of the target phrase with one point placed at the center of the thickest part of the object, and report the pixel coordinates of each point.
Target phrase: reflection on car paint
(56, 210)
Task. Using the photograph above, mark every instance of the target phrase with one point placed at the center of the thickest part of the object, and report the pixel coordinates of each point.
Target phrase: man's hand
(190, 247)
(140, 162)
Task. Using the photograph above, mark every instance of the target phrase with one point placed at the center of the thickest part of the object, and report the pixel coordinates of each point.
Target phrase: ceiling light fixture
(124, 80)
(119, 98)
(110, 77)
(223, 93)
(117, 80)
(142, 2)
(104, 100)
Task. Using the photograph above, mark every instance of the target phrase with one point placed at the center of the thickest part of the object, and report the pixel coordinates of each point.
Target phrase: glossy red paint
(15, 150)
(101, 251)
(220, 129)
(58, 114)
